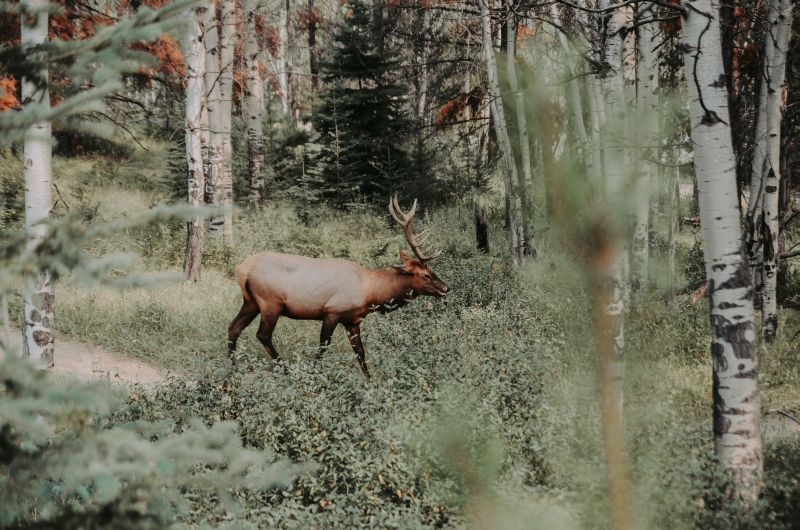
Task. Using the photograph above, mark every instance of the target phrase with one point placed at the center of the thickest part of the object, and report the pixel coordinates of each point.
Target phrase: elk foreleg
(328, 327)
(247, 313)
(264, 334)
(354, 334)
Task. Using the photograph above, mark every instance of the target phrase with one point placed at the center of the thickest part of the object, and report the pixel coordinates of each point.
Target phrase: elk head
(423, 280)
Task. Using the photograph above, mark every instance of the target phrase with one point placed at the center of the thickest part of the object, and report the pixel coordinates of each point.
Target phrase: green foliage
(691, 257)
(361, 120)
(12, 192)
(98, 62)
(69, 457)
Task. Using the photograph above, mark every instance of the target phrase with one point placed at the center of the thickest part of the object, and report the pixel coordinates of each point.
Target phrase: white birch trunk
(39, 302)
(647, 168)
(227, 43)
(282, 58)
(779, 32)
(612, 88)
(213, 194)
(734, 351)
(253, 104)
(522, 130)
(421, 58)
(195, 57)
(498, 115)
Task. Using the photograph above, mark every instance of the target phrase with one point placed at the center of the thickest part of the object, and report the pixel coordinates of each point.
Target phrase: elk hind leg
(246, 314)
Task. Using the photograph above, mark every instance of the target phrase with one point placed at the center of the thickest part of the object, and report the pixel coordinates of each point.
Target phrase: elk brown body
(335, 291)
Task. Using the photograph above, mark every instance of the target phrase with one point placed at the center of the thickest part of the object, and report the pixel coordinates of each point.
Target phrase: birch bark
(227, 42)
(518, 249)
(779, 31)
(612, 88)
(213, 191)
(734, 351)
(39, 302)
(522, 130)
(253, 104)
(647, 168)
(195, 58)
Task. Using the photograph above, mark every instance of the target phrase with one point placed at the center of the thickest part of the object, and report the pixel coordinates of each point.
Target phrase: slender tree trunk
(734, 351)
(475, 156)
(281, 56)
(612, 88)
(213, 194)
(194, 54)
(647, 167)
(253, 104)
(39, 304)
(589, 146)
(515, 213)
(227, 44)
(421, 60)
(421, 49)
(779, 32)
(522, 130)
(313, 67)
(616, 155)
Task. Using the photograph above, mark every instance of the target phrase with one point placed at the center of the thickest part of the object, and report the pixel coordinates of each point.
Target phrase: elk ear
(407, 266)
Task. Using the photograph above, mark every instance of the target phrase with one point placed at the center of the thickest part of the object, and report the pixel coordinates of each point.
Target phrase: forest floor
(86, 361)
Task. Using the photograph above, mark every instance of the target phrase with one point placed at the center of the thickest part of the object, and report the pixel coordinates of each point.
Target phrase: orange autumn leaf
(8, 93)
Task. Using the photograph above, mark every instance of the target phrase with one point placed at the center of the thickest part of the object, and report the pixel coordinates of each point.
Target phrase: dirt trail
(87, 361)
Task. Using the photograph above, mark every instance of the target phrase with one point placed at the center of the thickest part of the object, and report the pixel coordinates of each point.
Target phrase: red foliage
(673, 25)
(267, 36)
(524, 31)
(450, 110)
(170, 59)
(76, 21)
(307, 18)
(8, 93)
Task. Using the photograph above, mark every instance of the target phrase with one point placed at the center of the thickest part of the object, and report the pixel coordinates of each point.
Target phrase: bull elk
(335, 291)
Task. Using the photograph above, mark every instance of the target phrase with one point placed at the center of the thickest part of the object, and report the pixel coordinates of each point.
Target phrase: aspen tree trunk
(281, 52)
(194, 54)
(313, 67)
(779, 32)
(647, 168)
(613, 112)
(475, 157)
(421, 49)
(216, 156)
(421, 58)
(253, 104)
(515, 214)
(613, 100)
(734, 351)
(39, 305)
(522, 129)
(591, 154)
(227, 43)
(755, 217)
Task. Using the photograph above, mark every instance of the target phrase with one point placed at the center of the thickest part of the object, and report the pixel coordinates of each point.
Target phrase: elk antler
(404, 220)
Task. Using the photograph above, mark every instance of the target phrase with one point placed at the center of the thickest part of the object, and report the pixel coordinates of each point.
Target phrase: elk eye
(427, 276)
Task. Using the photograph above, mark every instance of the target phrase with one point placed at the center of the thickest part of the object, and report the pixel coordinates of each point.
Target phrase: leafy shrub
(69, 459)
(12, 192)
